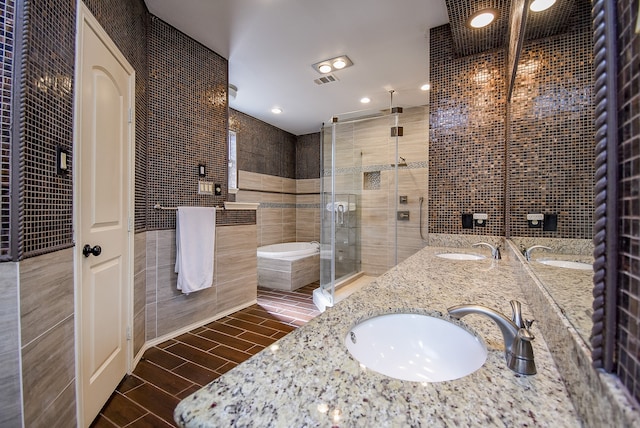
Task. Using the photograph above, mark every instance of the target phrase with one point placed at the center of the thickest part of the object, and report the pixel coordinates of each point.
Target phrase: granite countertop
(309, 379)
(570, 288)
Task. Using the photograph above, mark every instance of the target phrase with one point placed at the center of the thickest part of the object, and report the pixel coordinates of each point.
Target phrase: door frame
(84, 15)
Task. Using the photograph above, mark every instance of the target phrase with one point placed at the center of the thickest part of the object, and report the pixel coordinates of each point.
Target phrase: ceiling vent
(326, 79)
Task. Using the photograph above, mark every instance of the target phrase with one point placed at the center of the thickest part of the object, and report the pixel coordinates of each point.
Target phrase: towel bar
(159, 207)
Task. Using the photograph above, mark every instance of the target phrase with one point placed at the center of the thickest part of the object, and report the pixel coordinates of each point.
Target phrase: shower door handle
(340, 216)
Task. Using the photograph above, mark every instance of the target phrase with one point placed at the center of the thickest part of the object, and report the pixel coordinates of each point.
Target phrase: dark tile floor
(176, 368)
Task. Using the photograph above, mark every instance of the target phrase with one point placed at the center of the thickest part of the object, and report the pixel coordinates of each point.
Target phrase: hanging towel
(195, 241)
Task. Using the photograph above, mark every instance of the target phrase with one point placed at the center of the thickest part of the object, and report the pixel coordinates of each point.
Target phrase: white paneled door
(104, 135)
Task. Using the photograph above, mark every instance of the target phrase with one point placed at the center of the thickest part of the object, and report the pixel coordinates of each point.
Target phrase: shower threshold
(344, 289)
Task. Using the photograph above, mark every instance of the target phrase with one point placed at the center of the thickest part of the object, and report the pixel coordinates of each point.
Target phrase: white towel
(195, 241)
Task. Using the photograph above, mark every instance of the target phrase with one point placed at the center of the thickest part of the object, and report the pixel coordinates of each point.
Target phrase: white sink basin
(566, 264)
(416, 347)
(460, 256)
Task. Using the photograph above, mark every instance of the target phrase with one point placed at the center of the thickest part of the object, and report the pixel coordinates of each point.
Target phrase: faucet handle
(516, 313)
(528, 324)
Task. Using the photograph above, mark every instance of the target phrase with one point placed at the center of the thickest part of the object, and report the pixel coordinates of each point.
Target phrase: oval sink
(416, 347)
(460, 256)
(566, 264)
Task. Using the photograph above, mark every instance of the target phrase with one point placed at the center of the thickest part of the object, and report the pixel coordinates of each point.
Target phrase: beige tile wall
(288, 210)
(378, 207)
(307, 211)
(10, 399)
(139, 291)
(235, 280)
(48, 338)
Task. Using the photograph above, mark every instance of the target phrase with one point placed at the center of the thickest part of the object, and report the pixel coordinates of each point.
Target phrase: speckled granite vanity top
(310, 380)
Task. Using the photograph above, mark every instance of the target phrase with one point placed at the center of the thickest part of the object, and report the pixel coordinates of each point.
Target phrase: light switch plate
(205, 188)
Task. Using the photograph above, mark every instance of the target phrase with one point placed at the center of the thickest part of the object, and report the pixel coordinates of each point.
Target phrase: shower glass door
(375, 173)
(340, 219)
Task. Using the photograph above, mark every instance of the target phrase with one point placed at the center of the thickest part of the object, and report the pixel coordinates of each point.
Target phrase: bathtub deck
(288, 275)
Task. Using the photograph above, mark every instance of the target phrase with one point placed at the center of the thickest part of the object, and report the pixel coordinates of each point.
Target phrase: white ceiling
(271, 45)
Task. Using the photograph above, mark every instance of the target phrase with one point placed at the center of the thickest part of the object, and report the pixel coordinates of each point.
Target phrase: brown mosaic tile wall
(628, 344)
(7, 33)
(308, 156)
(127, 22)
(263, 148)
(187, 122)
(470, 41)
(466, 144)
(47, 111)
(551, 146)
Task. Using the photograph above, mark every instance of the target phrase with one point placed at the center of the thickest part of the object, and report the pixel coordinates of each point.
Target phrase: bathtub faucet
(515, 333)
(315, 242)
(495, 251)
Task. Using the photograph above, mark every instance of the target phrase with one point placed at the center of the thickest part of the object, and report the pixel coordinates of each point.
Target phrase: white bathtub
(288, 266)
(289, 250)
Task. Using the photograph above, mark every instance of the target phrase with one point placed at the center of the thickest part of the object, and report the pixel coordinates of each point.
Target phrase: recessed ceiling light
(365, 100)
(540, 5)
(332, 64)
(339, 64)
(482, 18)
(425, 87)
(276, 110)
(325, 68)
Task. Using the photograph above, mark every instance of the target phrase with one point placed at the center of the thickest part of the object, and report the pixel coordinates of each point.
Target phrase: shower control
(403, 215)
(404, 199)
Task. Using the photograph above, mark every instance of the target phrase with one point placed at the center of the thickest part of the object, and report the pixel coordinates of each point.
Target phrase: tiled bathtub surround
(263, 148)
(308, 156)
(288, 210)
(281, 171)
(288, 274)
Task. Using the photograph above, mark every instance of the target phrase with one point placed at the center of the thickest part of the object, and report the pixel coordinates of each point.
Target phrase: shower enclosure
(374, 172)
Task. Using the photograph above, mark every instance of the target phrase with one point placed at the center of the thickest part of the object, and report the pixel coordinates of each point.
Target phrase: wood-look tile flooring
(178, 367)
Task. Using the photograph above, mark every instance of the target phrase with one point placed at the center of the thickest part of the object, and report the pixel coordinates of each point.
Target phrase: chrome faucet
(495, 251)
(515, 332)
(527, 252)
